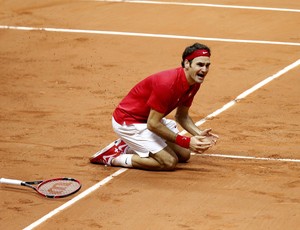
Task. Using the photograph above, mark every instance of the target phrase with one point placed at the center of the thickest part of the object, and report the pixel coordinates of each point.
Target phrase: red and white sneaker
(106, 155)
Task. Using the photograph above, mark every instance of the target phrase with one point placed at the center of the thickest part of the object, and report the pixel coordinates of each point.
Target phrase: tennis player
(147, 139)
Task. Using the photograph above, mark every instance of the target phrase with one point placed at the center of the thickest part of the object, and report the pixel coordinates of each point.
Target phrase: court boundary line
(217, 112)
(119, 33)
(200, 5)
(250, 157)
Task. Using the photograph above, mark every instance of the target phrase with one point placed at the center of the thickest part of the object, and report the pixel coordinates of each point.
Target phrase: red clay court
(65, 65)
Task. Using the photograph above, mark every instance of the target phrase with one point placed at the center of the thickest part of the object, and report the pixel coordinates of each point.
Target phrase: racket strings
(59, 187)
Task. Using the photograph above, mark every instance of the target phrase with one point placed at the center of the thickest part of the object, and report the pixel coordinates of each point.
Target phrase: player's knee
(170, 164)
(166, 159)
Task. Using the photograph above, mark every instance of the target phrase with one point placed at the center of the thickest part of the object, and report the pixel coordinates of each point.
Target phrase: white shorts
(142, 140)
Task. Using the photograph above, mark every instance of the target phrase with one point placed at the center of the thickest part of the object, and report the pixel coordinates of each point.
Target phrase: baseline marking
(201, 5)
(250, 157)
(146, 35)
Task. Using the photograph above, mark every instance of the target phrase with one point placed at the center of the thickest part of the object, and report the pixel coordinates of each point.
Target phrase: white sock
(124, 160)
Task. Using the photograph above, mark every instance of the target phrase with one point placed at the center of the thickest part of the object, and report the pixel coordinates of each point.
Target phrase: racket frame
(39, 183)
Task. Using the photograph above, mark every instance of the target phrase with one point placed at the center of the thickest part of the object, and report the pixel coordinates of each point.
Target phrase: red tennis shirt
(163, 92)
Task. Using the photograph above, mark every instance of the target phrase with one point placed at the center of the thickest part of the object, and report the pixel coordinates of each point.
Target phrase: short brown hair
(190, 49)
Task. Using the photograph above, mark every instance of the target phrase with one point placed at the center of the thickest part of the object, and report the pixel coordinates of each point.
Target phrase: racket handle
(10, 181)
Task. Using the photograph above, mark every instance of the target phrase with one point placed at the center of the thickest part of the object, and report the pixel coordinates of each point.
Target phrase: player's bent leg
(183, 154)
(164, 160)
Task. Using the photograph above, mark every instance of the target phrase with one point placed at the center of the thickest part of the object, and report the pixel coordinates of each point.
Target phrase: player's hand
(200, 144)
(213, 138)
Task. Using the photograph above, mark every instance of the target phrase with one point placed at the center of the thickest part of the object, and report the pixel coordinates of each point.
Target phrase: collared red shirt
(163, 92)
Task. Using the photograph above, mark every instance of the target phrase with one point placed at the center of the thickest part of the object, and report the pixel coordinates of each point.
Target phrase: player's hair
(190, 49)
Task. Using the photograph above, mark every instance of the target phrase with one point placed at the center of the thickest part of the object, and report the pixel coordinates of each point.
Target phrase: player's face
(197, 70)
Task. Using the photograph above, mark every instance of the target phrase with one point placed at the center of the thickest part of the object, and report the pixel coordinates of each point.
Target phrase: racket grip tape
(10, 181)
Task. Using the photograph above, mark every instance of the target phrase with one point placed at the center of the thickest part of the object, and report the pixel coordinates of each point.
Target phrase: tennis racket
(53, 188)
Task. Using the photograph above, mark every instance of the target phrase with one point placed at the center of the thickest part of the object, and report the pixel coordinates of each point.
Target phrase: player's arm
(195, 143)
(154, 124)
(186, 122)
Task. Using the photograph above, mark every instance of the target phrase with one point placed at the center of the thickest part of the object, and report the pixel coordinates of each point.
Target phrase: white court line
(250, 157)
(146, 35)
(201, 5)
